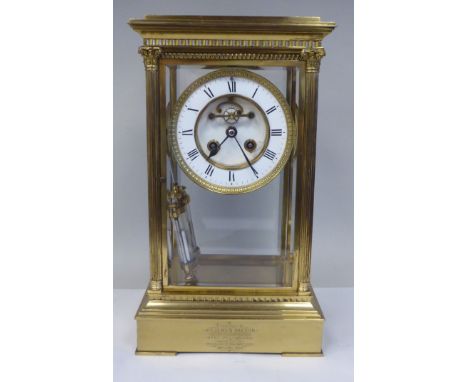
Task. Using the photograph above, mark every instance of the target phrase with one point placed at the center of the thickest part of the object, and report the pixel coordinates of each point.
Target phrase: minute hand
(247, 159)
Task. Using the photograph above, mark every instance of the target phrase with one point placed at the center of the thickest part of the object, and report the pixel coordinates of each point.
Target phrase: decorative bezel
(290, 142)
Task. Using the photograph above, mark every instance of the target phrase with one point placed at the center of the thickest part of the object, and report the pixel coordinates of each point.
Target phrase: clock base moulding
(265, 324)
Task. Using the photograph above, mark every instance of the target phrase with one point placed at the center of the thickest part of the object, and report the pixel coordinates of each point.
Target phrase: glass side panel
(222, 240)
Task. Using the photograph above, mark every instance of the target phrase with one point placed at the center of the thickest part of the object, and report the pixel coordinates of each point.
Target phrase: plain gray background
(332, 258)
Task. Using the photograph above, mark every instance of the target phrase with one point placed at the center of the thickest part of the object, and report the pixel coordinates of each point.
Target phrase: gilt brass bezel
(290, 125)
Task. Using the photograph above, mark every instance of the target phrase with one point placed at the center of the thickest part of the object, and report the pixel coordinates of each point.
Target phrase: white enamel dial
(232, 131)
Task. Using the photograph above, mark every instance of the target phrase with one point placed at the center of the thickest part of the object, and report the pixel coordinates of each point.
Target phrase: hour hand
(214, 147)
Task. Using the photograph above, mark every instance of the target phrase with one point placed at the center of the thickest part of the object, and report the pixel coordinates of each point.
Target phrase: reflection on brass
(232, 318)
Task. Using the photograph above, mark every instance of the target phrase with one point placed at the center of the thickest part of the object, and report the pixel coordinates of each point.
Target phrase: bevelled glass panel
(221, 239)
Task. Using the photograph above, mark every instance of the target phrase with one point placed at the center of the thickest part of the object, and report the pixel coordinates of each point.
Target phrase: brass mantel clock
(231, 126)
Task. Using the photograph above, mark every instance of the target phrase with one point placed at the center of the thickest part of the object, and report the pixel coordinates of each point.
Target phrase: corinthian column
(151, 56)
(306, 162)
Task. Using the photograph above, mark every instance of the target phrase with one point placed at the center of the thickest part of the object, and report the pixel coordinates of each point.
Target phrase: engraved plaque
(230, 336)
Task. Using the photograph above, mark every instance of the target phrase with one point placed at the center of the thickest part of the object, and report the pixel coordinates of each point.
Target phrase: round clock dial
(232, 131)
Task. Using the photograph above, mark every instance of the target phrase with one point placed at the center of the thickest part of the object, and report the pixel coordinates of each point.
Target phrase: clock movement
(231, 107)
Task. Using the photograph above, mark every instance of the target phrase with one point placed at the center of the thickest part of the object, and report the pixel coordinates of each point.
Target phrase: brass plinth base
(168, 327)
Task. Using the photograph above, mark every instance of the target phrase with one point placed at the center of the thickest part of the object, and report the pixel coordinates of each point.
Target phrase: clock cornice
(235, 31)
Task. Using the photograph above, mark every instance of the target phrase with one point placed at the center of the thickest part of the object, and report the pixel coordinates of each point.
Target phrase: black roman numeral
(231, 176)
(232, 85)
(276, 132)
(209, 170)
(187, 132)
(271, 110)
(255, 92)
(269, 154)
(193, 154)
(208, 92)
(189, 108)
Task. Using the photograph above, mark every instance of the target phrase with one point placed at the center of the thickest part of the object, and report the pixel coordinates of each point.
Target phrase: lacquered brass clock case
(230, 273)
(290, 126)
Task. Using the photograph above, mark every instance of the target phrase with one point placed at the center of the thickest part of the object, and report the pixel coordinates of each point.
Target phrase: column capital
(150, 56)
(312, 58)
